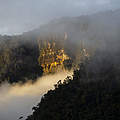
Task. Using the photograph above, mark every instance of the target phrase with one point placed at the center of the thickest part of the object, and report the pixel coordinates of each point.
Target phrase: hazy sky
(17, 16)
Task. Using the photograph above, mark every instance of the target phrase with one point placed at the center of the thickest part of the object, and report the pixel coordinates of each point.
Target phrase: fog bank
(17, 100)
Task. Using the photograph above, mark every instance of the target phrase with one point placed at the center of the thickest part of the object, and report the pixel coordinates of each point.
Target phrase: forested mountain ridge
(95, 30)
(92, 94)
(18, 60)
(19, 54)
(23, 59)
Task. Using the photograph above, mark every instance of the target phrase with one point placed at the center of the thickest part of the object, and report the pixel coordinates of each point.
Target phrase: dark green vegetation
(19, 54)
(19, 59)
(92, 94)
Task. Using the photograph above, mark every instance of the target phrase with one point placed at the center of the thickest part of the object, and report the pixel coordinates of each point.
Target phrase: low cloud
(22, 15)
(17, 100)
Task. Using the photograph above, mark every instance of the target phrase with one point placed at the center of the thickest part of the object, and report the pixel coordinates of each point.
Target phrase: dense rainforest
(18, 59)
(92, 94)
(90, 44)
(20, 55)
(25, 58)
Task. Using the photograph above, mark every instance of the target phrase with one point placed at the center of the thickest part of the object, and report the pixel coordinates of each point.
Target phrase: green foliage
(19, 60)
(20, 57)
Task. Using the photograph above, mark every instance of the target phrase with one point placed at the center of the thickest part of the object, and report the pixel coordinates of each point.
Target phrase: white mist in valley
(17, 100)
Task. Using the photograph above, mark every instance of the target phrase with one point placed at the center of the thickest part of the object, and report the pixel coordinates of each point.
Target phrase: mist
(93, 26)
(24, 15)
(95, 31)
(17, 100)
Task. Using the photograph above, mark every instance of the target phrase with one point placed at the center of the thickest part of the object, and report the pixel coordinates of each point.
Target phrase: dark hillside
(18, 59)
(19, 54)
(92, 94)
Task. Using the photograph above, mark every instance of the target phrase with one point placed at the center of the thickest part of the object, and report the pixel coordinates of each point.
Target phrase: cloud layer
(19, 99)
(17, 16)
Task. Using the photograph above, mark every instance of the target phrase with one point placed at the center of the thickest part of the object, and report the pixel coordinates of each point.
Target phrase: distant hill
(97, 31)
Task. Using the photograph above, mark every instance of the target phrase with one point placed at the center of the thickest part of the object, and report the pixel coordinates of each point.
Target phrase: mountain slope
(95, 30)
(92, 94)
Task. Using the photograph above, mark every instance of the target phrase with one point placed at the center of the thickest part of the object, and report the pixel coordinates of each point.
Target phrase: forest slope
(92, 94)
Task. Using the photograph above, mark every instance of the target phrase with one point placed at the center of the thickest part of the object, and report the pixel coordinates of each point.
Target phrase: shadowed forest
(28, 56)
(92, 94)
(88, 45)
